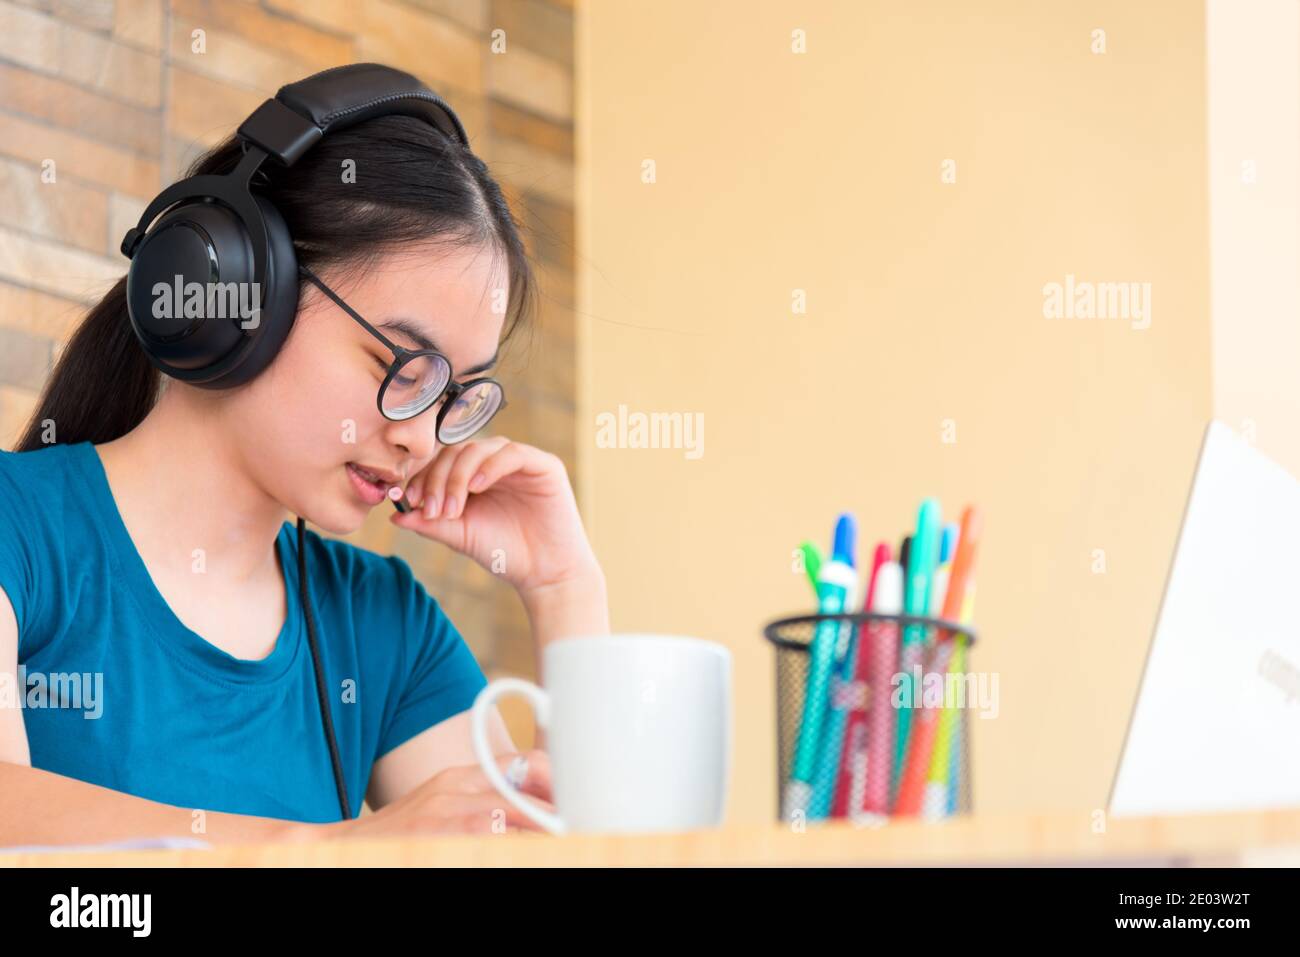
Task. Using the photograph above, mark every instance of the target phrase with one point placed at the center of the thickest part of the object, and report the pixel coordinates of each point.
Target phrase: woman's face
(302, 423)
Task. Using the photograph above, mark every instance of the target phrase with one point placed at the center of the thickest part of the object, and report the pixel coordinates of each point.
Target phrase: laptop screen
(1216, 723)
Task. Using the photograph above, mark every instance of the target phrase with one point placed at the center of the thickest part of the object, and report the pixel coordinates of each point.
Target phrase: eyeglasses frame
(401, 356)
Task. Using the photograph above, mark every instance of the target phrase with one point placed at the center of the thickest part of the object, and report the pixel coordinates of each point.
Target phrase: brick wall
(111, 97)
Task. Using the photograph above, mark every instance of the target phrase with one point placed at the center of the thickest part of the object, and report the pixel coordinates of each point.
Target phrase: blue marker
(948, 544)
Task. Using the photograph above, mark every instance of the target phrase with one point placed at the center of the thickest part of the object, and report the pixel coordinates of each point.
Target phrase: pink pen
(881, 651)
(397, 496)
(853, 767)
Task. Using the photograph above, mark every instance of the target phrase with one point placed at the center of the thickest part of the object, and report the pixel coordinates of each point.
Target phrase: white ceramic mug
(638, 731)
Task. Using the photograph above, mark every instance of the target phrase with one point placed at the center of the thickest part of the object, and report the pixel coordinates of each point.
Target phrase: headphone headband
(214, 229)
(301, 113)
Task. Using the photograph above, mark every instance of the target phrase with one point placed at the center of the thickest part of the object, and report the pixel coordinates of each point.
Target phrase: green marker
(812, 563)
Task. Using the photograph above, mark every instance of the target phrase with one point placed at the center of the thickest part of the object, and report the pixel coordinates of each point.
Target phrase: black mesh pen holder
(846, 768)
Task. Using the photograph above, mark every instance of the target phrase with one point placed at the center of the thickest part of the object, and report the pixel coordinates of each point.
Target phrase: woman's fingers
(537, 779)
(455, 490)
(485, 473)
(463, 800)
(442, 488)
(470, 779)
(438, 490)
(479, 813)
(473, 794)
(434, 477)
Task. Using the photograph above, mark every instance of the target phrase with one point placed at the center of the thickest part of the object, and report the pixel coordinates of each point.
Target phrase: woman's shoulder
(36, 490)
(41, 478)
(46, 461)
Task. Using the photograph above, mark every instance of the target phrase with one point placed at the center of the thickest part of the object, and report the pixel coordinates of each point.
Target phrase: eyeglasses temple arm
(316, 280)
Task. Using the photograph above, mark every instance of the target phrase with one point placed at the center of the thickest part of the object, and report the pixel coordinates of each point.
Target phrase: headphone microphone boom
(214, 231)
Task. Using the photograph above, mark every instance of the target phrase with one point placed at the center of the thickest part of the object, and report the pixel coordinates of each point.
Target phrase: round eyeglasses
(417, 379)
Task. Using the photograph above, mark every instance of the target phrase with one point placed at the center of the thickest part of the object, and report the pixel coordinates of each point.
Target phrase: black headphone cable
(321, 694)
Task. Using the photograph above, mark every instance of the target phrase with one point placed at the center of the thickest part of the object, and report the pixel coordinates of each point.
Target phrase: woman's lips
(372, 493)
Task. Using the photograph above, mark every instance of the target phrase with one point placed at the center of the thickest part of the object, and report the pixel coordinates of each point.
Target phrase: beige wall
(777, 171)
(1253, 79)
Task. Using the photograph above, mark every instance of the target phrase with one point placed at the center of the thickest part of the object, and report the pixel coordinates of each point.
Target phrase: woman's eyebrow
(409, 329)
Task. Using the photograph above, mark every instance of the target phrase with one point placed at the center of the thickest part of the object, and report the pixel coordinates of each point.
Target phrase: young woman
(145, 553)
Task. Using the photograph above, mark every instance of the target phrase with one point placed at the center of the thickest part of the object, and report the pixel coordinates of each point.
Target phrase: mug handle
(487, 760)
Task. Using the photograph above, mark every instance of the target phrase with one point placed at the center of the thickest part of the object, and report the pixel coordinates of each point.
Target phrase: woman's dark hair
(413, 185)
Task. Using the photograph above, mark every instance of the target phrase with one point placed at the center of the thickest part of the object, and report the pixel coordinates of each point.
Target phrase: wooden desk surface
(1259, 837)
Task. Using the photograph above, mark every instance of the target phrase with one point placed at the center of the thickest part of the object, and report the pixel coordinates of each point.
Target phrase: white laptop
(1216, 724)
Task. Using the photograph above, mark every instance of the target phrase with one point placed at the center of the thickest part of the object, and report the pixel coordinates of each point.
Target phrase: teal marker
(916, 601)
(836, 581)
(831, 747)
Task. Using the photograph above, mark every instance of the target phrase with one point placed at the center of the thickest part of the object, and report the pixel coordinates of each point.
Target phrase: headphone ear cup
(279, 301)
(192, 246)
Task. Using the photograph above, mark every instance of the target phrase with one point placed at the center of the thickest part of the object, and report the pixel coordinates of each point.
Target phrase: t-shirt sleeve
(439, 675)
(17, 576)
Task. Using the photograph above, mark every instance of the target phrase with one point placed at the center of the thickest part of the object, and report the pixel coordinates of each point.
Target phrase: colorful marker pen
(812, 562)
(881, 647)
(832, 737)
(397, 496)
(923, 757)
(916, 601)
(947, 761)
(849, 793)
(835, 583)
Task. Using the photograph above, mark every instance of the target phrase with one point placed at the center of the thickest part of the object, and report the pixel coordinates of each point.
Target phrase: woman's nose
(417, 436)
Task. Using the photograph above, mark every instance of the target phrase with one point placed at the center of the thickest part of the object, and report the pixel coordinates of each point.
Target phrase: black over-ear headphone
(213, 229)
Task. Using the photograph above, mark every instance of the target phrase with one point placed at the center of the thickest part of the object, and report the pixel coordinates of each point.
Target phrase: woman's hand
(508, 506)
(454, 801)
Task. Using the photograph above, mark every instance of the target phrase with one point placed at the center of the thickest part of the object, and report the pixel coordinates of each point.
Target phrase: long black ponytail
(411, 184)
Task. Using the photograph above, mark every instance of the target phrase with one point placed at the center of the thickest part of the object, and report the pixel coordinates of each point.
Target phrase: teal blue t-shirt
(148, 707)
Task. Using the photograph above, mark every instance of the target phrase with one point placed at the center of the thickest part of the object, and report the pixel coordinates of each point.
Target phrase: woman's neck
(181, 485)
